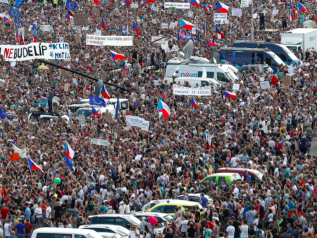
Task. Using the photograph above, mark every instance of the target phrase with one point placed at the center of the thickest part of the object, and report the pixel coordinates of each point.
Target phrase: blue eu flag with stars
(96, 101)
(4, 115)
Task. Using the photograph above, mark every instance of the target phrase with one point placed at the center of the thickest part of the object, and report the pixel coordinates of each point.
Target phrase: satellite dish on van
(98, 87)
(188, 49)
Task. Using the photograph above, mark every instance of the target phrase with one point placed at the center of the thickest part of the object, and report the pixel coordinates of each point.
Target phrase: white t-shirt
(39, 211)
(184, 226)
(132, 234)
(270, 217)
(244, 231)
(236, 192)
(48, 210)
(230, 230)
(256, 223)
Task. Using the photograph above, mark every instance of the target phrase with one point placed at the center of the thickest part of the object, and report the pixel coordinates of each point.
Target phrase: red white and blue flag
(204, 29)
(104, 92)
(127, 2)
(34, 166)
(70, 13)
(194, 104)
(96, 2)
(16, 36)
(103, 25)
(136, 29)
(162, 107)
(94, 113)
(195, 3)
(302, 8)
(230, 95)
(35, 37)
(221, 7)
(293, 10)
(69, 153)
(22, 39)
(116, 56)
(220, 33)
(186, 24)
(206, 8)
(67, 17)
(209, 6)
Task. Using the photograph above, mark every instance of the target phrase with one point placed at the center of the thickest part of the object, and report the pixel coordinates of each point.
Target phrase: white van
(53, 232)
(220, 72)
(194, 82)
(124, 103)
(87, 111)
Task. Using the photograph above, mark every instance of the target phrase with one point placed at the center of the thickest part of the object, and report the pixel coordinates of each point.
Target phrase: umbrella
(42, 67)
(211, 43)
(152, 220)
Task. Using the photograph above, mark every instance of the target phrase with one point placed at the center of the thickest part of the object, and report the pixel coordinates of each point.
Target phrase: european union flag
(70, 5)
(96, 101)
(17, 21)
(18, 3)
(197, 37)
(4, 115)
(14, 12)
(34, 28)
(117, 108)
(68, 162)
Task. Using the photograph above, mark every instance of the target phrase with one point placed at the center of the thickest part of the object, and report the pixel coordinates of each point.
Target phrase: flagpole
(252, 27)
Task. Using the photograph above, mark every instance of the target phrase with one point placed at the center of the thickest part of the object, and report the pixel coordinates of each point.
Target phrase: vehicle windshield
(276, 58)
(260, 175)
(134, 221)
(86, 112)
(290, 53)
(122, 233)
(168, 218)
(231, 76)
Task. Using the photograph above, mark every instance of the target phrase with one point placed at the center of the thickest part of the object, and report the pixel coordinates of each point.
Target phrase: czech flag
(16, 36)
(127, 2)
(70, 13)
(204, 28)
(35, 37)
(221, 7)
(149, 1)
(116, 56)
(67, 17)
(96, 2)
(209, 6)
(34, 166)
(293, 10)
(274, 80)
(135, 28)
(186, 24)
(195, 3)
(302, 8)
(206, 8)
(162, 107)
(94, 113)
(7, 20)
(194, 104)
(103, 25)
(220, 33)
(69, 153)
(22, 39)
(230, 95)
(104, 92)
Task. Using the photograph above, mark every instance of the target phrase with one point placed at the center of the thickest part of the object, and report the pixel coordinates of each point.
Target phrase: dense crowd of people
(267, 130)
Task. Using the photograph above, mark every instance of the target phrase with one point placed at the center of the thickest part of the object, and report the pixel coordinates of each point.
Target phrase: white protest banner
(209, 138)
(158, 39)
(82, 119)
(265, 85)
(109, 40)
(201, 91)
(190, 13)
(164, 25)
(221, 18)
(22, 152)
(236, 12)
(35, 51)
(244, 3)
(5, 1)
(85, 28)
(236, 86)
(172, 25)
(275, 12)
(138, 122)
(46, 28)
(154, 21)
(134, 5)
(255, 15)
(177, 5)
(99, 142)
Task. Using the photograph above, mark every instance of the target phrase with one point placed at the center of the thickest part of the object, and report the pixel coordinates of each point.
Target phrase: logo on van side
(189, 75)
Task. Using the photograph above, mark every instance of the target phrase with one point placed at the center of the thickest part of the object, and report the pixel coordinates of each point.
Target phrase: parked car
(115, 219)
(110, 229)
(255, 174)
(161, 217)
(195, 197)
(52, 232)
(219, 177)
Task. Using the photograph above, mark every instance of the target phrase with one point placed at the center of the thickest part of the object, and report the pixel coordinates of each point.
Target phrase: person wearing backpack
(90, 206)
(28, 228)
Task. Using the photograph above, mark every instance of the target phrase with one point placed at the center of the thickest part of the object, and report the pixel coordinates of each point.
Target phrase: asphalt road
(313, 149)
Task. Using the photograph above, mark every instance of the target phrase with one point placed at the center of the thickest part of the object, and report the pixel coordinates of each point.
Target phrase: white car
(161, 217)
(109, 229)
(109, 235)
(195, 197)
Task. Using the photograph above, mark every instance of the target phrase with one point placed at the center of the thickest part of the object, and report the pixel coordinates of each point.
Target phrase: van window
(80, 236)
(213, 179)
(124, 106)
(221, 77)
(204, 82)
(210, 75)
(122, 222)
(103, 220)
(170, 208)
(200, 74)
(62, 236)
(158, 209)
(43, 235)
(220, 179)
(268, 61)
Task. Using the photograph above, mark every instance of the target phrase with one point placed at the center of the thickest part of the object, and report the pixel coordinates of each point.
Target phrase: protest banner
(48, 28)
(22, 152)
(5, 1)
(96, 10)
(35, 51)
(99, 142)
(14, 157)
(236, 86)
(201, 91)
(287, 81)
(109, 40)
(98, 20)
(134, 5)
(80, 19)
(221, 18)
(158, 39)
(138, 122)
(265, 85)
(177, 5)
(236, 12)
(164, 25)
(244, 3)
(78, 38)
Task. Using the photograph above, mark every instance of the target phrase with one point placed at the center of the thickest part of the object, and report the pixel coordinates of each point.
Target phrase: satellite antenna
(188, 49)
(98, 87)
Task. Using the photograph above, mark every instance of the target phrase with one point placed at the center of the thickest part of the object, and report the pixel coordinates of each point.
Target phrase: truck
(300, 39)
(280, 50)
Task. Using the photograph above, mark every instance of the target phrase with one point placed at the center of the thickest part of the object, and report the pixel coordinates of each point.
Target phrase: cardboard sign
(66, 87)
(98, 20)
(96, 10)
(108, 117)
(78, 38)
(14, 157)
(287, 81)
(80, 19)
(63, 72)
(73, 126)
(118, 130)
(3, 93)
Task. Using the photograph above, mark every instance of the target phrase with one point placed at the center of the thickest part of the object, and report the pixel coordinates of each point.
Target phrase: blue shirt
(256, 59)
(289, 231)
(20, 228)
(28, 211)
(251, 215)
(204, 202)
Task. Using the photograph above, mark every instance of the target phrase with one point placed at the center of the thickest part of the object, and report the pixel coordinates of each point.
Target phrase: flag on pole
(135, 28)
(117, 108)
(34, 166)
(22, 38)
(220, 33)
(35, 37)
(103, 25)
(194, 104)
(104, 92)
(162, 107)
